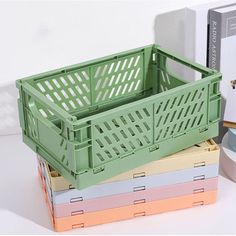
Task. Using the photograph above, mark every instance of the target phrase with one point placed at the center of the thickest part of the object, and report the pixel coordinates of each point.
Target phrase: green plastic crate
(97, 119)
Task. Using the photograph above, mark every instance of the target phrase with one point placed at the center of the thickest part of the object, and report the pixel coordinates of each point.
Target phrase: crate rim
(160, 49)
(73, 120)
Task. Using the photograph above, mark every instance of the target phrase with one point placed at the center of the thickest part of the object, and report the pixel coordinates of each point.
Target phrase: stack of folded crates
(186, 179)
(122, 137)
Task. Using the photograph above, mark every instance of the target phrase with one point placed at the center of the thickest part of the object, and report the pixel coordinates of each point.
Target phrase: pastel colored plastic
(136, 184)
(198, 155)
(228, 159)
(131, 211)
(138, 197)
(232, 139)
(98, 119)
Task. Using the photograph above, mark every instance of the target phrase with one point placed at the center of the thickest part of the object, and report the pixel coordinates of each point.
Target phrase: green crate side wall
(57, 144)
(180, 113)
(125, 132)
(43, 134)
(130, 137)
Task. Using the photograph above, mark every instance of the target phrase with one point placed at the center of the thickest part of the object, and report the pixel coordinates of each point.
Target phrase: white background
(39, 36)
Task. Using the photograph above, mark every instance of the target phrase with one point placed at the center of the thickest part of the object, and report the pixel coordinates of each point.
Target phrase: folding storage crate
(193, 182)
(98, 119)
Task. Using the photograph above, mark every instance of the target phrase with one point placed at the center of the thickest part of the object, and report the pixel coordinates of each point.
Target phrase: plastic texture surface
(137, 184)
(89, 119)
(198, 155)
(128, 212)
(232, 139)
(138, 197)
(78, 205)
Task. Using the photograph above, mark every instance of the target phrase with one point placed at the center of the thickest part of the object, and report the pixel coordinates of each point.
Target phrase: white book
(222, 44)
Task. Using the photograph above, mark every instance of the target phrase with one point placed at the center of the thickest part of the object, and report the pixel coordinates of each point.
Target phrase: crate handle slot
(143, 213)
(199, 190)
(34, 110)
(81, 225)
(139, 175)
(200, 203)
(74, 213)
(139, 188)
(199, 164)
(59, 112)
(139, 201)
(76, 199)
(199, 177)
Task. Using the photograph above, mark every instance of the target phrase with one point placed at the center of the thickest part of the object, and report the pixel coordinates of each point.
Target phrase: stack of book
(205, 34)
(183, 180)
(222, 56)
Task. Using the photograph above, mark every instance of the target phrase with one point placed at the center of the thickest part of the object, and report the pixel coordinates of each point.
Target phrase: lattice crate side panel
(57, 140)
(180, 113)
(32, 125)
(70, 91)
(122, 134)
(120, 77)
(168, 81)
(164, 81)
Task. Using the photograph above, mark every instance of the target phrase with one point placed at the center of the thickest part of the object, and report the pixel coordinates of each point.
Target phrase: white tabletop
(23, 209)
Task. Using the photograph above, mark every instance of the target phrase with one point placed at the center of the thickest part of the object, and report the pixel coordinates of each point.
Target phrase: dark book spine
(214, 40)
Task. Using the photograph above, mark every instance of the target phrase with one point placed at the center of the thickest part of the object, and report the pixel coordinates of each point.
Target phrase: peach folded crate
(128, 212)
(202, 154)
